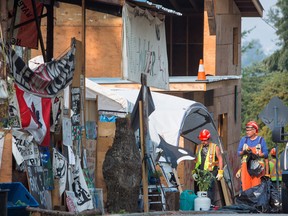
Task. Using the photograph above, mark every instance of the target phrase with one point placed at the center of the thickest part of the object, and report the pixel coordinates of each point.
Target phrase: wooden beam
(6, 168)
(209, 7)
(178, 86)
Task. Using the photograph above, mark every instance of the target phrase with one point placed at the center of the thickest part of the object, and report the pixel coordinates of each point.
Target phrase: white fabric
(172, 116)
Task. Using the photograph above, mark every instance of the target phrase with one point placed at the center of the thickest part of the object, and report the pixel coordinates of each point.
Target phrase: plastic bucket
(187, 198)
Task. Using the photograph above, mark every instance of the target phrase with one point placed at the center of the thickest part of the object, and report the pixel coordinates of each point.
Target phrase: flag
(25, 32)
(135, 111)
(35, 115)
(47, 79)
(174, 154)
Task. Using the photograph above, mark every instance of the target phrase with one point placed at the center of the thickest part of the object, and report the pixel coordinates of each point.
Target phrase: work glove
(247, 151)
(195, 176)
(219, 175)
(238, 174)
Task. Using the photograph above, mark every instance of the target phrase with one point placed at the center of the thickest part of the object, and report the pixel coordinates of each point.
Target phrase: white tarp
(173, 116)
(144, 47)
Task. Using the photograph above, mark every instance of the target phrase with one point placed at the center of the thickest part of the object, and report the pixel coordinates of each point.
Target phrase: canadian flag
(35, 115)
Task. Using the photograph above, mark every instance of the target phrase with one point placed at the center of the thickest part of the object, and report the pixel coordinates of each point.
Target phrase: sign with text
(144, 47)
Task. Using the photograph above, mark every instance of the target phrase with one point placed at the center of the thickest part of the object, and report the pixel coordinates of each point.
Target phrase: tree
(263, 80)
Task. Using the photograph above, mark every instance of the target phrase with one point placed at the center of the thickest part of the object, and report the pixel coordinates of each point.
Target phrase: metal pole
(276, 146)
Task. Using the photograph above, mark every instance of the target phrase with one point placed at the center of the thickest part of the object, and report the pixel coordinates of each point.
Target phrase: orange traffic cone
(201, 71)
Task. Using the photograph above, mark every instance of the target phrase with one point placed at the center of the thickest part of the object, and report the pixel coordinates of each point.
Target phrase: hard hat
(253, 124)
(273, 152)
(204, 135)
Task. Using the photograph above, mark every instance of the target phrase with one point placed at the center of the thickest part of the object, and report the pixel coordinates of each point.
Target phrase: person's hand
(247, 151)
(238, 174)
(219, 175)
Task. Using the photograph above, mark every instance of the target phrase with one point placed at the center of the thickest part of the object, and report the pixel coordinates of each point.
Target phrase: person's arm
(220, 158)
(264, 149)
(220, 173)
(240, 150)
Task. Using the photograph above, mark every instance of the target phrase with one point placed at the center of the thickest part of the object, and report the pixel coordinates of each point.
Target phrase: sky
(263, 32)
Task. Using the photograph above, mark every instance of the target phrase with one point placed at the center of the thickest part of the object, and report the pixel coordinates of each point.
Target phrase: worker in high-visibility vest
(209, 157)
(272, 168)
(252, 144)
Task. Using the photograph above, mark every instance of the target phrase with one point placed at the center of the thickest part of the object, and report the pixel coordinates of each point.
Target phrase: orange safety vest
(210, 161)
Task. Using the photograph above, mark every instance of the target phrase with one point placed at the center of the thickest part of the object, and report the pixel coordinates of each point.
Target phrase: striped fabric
(47, 79)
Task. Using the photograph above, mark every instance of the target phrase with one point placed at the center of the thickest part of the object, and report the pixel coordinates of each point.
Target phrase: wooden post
(6, 168)
(144, 136)
(144, 161)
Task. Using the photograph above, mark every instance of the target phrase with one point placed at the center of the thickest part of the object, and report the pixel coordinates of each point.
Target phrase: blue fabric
(253, 143)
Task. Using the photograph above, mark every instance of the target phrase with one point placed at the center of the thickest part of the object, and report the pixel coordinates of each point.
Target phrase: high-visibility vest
(210, 161)
(272, 168)
(258, 150)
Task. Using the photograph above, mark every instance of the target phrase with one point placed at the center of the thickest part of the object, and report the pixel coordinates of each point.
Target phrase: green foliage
(264, 80)
(203, 178)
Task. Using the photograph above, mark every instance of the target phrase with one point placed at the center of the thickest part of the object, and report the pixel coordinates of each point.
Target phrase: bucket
(187, 200)
(202, 202)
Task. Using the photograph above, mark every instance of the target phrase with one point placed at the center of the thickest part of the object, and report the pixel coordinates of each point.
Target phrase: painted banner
(35, 115)
(78, 185)
(25, 31)
(14, 112)
(57, 106)
(46, 162)
(75, 106)
(60, 169)
(67, 131)
(46, 80)
(144, 47)
(24, 149)
(90, 153)
(37, 187)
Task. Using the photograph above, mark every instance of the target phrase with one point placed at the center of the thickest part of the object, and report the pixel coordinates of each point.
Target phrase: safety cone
(201, 71)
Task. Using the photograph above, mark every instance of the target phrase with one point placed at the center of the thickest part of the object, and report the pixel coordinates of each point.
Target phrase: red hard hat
(204, 135)
(273, 152)
(253, 124)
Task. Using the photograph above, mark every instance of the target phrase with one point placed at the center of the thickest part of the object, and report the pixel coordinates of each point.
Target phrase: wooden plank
(103, 145)
(78, 64)
(226, 193)
(106, 129)
(177, 180)
(56, 198)
(6, 168)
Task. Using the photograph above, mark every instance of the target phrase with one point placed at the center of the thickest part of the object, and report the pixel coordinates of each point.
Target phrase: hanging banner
(60, 169)
(67, 131)
(24, 149)
(79, 187)
(35, 115)
(37, 188)
(46, 80)
(25, 31)
(144, 47)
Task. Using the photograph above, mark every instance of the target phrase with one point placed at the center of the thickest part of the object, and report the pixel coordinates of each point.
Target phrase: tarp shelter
(173, 116)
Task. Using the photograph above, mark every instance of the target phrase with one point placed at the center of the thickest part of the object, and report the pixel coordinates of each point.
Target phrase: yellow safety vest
(272, 166)
(210, 157)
